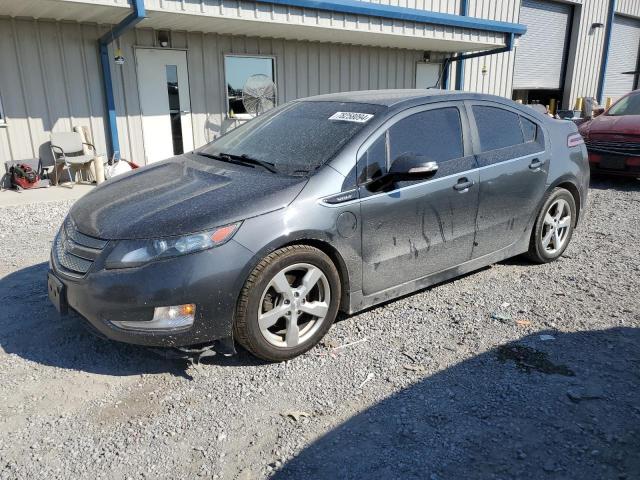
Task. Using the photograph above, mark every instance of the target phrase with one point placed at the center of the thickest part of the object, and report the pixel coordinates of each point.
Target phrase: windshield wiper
(244, 158)
(239, 160)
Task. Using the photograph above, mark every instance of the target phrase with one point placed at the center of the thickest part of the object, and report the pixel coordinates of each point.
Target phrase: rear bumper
(626, 165)
(211, 279)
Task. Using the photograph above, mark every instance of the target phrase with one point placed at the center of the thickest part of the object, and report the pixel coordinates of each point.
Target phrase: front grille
(614, 147)
(75, 252)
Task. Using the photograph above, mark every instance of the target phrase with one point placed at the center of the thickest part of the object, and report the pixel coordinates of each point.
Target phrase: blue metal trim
(605, 51)
(510, 40)
(130, 21)
(355, 7)
(464, 11)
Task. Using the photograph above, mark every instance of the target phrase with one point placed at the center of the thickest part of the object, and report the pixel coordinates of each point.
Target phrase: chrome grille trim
(80, 238)
(74, 252)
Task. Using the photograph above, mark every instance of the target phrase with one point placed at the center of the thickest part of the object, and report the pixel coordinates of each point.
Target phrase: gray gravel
(515, 371)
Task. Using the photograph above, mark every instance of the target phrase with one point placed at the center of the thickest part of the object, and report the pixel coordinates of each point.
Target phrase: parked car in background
(335, 202)
(613, 138)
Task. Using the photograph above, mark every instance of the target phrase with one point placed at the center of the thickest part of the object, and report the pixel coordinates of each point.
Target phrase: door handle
(463, 185)
(535, 164)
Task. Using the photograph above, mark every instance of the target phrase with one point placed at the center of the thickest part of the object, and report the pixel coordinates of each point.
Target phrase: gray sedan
(335, 202)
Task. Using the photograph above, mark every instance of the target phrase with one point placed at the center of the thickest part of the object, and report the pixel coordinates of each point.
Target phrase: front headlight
(133, 253)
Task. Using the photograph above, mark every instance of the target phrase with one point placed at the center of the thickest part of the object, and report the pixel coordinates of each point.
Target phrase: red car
(613, 138)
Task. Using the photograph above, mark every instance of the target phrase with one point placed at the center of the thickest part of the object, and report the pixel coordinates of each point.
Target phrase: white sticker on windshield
(351, 117)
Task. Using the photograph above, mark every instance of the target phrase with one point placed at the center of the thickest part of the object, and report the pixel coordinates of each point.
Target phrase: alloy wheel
(557, 223)
(294, 305)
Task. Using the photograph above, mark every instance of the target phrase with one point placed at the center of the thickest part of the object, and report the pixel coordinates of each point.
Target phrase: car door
(513, 164)
(416, 228)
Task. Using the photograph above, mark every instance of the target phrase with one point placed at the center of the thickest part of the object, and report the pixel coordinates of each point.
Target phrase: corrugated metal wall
(56, 81)
(628, 7)
(49, 81)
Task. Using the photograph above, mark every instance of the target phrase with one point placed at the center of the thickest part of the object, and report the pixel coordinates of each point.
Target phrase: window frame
(274, 63)
(467, 145)
(475, 135)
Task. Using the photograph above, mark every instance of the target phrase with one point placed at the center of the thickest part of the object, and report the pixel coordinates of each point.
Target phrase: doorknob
(535, 164)
(463, 185)
(185, 111)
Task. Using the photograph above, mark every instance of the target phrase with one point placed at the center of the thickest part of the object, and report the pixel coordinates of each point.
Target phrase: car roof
(404, 98)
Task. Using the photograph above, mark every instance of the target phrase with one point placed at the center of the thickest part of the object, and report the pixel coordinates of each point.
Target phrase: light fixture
(118, 58)
(163, 38)
(597, 25)
(175, 317)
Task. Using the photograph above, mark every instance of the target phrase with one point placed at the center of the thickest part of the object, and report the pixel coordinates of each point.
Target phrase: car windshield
(296, 138)
(629, 105)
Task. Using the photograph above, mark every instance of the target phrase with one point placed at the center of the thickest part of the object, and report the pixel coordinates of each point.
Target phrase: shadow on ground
(567, 408)
(613, 182)
(31, 328)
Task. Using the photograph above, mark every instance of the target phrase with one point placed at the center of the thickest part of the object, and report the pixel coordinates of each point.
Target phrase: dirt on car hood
(181, 195)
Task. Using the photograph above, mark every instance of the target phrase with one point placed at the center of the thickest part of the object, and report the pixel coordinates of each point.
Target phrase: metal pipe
(465, 56)
(138, 14)
(464, 11)
(605, 52)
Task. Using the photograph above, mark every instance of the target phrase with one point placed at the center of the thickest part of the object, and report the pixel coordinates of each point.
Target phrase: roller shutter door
(540, 54)
(623, 57)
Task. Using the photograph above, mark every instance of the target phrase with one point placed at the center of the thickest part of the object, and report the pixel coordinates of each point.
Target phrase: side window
(497, 128)
(374, 162)
(435, 134)
(529, 130)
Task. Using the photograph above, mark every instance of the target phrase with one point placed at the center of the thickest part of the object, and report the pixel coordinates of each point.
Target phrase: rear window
(497, 128)
(298, 137)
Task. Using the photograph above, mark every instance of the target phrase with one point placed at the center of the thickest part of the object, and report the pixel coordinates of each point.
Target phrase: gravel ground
(515, 371)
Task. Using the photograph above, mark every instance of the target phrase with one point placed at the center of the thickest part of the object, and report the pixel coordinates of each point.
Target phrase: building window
(238, 68)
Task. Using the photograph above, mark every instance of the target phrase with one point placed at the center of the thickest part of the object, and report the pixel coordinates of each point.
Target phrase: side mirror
(598, 111)
(410, 166)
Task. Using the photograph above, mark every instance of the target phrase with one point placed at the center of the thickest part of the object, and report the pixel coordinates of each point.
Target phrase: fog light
(175, 317)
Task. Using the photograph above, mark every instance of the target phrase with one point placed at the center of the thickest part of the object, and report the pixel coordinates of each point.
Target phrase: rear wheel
(288, 303)
(554, 227)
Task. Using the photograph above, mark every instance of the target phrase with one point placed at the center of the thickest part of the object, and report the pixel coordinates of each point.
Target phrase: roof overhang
(345, 21)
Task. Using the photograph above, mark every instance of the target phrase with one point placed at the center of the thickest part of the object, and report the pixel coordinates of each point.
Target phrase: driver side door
(415, 228)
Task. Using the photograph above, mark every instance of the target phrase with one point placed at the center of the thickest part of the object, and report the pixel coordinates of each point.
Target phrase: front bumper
(212, 279)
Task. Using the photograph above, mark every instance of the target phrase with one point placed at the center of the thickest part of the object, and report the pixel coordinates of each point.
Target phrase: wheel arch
(569, 184)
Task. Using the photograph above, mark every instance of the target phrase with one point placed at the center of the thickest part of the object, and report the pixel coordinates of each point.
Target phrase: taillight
(574, 140)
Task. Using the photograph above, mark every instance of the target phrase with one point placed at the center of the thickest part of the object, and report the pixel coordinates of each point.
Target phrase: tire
(551, 234)
(312, 306)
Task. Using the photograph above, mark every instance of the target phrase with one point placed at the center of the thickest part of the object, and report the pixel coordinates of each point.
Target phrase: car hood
(181, 195)
(624, 124)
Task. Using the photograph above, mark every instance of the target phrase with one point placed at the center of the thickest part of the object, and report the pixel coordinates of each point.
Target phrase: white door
(163, 83)
(427, 74)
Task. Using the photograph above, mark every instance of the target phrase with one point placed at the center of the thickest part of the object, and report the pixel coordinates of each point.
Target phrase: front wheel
(288, 303)
(554, 227)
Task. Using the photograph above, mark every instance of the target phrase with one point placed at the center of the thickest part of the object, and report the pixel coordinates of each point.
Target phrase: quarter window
(434, 134)
(238, 69)
(529, 130)
(497, 128)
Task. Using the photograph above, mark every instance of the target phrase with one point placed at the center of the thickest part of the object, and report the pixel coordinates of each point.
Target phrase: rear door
(416, 228)
(513, 164)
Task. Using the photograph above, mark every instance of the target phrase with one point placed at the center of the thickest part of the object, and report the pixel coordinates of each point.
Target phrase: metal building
(185, 60)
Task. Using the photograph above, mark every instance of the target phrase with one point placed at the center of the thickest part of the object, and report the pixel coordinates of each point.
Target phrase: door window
(174, 108)
(434, 134)
(505, 135)
(497, 128)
